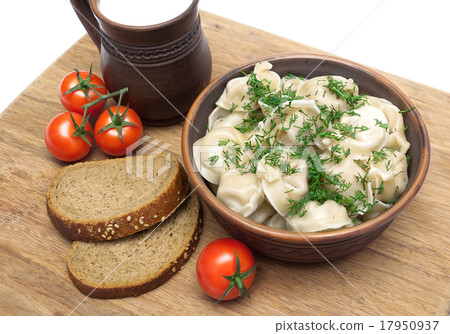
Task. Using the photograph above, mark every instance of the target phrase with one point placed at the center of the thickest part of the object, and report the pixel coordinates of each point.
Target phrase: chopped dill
(407, 110)
(380, 189)
(324, 186)
(233, 107)
(378, 156)
(381, 124)
(388, 165)
(213, 159)
(294, 76)
(338, 88)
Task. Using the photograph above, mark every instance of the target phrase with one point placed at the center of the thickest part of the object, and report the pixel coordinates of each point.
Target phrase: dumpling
(208, 152)
(397, 138)
(354, 183)
(298, 112)
(315, 89)
(216, 115)
(388, 175)
(328, 216)
(280, 187)
(377, 209)
(264, 212)
(235, 96)
(398, 142)
(291, 82)
(395, 119)
(221, 117)
(371, 132)
(242, 193)
(263, 73)
(276, 221)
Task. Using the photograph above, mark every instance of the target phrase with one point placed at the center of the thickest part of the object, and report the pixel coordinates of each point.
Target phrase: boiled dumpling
(276, 221)
(315, 89)
(235, 96)
(208, 154)
(291, 82)
(328, 216)
(394, 117)
(398, 142)
(352, 182)
(223, 118)
(280, 187)
(264, 74)
(298, 112)
(264, 212)
(377, 209)
(243, 199)
(389, 176)
(371, 133)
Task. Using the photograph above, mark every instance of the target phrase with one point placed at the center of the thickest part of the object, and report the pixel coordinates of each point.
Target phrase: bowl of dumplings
(305, 157)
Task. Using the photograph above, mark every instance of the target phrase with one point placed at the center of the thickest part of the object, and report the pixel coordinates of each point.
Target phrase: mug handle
(83, 10)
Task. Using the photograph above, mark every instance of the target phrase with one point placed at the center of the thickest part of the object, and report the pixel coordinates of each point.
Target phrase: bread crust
(153, 282)
(146, 216)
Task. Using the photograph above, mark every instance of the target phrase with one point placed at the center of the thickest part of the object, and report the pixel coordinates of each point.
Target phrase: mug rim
(94, 4)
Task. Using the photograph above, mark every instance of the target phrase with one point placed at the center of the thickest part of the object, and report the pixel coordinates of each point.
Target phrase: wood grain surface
(404, 272)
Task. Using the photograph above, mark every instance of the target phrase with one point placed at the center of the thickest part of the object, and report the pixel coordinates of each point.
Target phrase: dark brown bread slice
(110, 199)
(139, 263)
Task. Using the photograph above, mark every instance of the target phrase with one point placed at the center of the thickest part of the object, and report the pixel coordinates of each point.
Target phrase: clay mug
(165, 65)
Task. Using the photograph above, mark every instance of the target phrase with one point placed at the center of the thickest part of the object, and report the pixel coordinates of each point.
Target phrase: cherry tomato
(66, 141)
(76, 86)
(230, 258)
(116, 129)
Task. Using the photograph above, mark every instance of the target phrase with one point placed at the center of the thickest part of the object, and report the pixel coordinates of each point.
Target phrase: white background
(407, 38)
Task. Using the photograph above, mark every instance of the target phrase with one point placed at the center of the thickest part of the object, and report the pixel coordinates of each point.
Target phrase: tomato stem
(85, 84)
(236, 280)
(102, 97)
(80, 130)
(117, 120)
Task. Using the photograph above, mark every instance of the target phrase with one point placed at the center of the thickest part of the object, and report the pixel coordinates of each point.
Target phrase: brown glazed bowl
(316, 246)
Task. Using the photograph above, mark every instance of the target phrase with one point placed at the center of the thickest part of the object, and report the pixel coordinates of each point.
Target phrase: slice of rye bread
(139, 263)
(114, 198)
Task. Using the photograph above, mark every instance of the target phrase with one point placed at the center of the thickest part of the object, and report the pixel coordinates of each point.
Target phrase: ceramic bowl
(317, 246)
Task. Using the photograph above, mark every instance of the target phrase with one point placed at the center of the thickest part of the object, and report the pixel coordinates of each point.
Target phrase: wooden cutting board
(404, 272)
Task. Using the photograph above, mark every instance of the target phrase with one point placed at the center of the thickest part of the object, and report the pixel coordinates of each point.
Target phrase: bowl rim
(295, 237)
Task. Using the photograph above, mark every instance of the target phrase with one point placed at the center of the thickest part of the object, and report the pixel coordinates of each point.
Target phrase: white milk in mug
(142, 12)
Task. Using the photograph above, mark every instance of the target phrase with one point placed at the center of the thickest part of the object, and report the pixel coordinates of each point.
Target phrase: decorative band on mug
(153, 54)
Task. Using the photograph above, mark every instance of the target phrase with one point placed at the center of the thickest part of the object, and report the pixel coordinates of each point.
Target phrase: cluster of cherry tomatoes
(69, 136)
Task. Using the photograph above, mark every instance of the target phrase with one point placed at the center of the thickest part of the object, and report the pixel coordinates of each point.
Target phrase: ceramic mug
(165, 65)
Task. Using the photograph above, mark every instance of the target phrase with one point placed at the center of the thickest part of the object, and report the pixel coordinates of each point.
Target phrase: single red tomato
(68, 137)
(78, 88)
(116, 129)
(226, 269)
